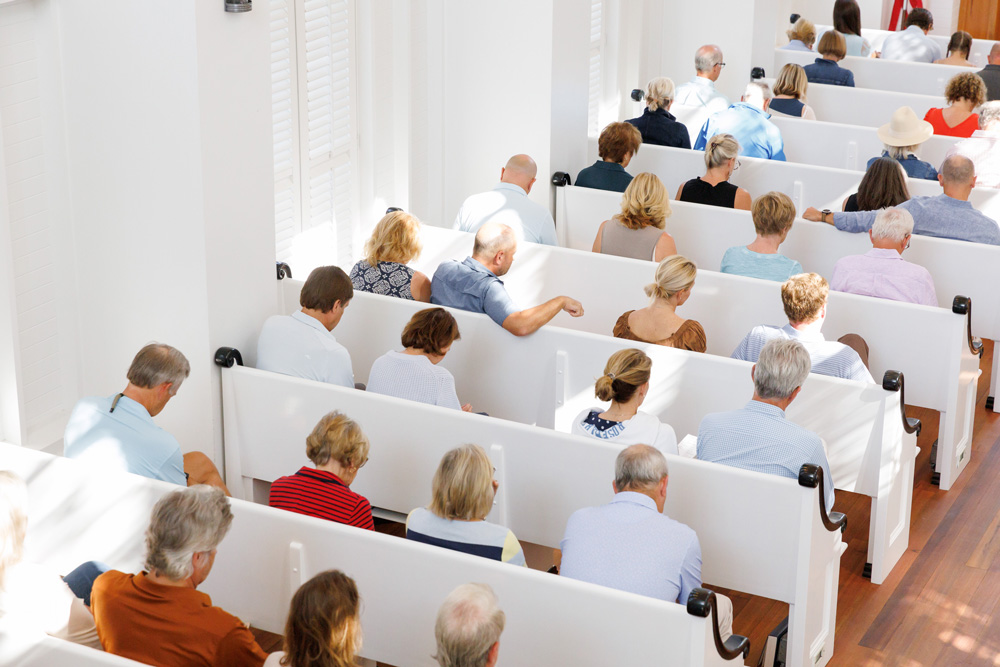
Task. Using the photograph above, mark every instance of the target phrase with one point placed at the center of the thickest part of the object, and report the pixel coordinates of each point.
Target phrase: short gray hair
(989, 114)
(639, 468)
(757, 93)
(782, 367)
(893, 224)
(468, 624)
(707, 57)
(158, 363)
(958, 169)
(900, 152)
(183, 523)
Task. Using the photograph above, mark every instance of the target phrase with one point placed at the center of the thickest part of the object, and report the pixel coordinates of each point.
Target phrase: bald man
(474, 284)
(949, 215)
(508, 204)
(991, 73)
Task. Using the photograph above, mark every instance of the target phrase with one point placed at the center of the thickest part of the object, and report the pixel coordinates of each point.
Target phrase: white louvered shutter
(287, 170)
(596, 67)
(33, 238)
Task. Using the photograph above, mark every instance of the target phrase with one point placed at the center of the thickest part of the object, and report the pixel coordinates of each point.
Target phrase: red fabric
(964, 129)
(321, 494)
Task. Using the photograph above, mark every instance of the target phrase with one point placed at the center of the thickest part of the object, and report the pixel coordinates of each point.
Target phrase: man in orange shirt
(157, 616)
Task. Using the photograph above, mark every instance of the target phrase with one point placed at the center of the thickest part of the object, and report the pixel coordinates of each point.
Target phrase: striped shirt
(321, 494)
(479, 538)
(828, 356)
(760, 438)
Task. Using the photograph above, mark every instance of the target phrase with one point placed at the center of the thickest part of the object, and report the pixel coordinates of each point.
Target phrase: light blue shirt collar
(635, 498)
(310, 321)
(133, 407)
(512, 188)
(802, 335)
(765, 408)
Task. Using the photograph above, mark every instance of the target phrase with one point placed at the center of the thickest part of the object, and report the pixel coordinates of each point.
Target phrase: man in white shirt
(301, 344)
(983, 147)
(913, 44)
(508, 204)
(699, 94)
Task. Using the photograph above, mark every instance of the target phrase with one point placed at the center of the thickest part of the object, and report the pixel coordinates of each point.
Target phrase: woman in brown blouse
(658, 322)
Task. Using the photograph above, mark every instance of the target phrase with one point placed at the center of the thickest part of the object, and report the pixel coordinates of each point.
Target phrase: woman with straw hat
(901, 136)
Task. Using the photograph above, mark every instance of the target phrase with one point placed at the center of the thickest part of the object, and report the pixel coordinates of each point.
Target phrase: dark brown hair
(324, 287)
(960, 42)
(618, 140)
(431, 330)
(920, 17)
(832, 43)
(624, 373)
(883, 186)
(847, 17)
(324, 625)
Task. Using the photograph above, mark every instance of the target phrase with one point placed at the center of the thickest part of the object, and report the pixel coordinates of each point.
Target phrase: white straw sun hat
(905, 129)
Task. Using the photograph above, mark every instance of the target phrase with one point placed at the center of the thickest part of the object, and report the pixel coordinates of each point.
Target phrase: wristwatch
(825, 212)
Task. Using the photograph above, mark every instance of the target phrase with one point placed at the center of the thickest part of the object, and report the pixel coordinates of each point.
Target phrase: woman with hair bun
(625, 383)
(659, 322)
(714, 189)
(324, 624)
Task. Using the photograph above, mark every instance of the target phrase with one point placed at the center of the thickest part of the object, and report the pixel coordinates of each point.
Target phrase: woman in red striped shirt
(338, 449)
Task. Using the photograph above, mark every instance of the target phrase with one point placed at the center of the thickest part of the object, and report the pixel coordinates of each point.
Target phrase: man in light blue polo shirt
(629, 544)
(508, 204)
(758, 437)
(302, 344)
(474, 284)
(118, 432)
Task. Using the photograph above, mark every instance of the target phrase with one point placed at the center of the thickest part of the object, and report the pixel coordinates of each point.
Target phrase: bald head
(958, 170)
(491, 239)
(520, 170)
(705, 60)
(994, 57)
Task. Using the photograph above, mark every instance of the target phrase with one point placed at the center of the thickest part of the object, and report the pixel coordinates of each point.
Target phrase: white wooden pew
(704, 234)
(29, 650)
(548, 378)
(807, 185)
(837, 104)
(550, 620)
(826, 144)
(544, 477)
(977, 56)
(900, 334)
(888, 75)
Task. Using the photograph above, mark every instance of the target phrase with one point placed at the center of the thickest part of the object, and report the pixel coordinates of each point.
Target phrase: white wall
(169, 154)
(570, 89)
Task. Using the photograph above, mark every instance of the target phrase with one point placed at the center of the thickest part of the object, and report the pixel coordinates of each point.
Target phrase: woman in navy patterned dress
(394, 242)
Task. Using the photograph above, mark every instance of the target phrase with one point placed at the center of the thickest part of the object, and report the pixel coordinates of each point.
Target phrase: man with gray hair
(157, 616)
(758, 437)
(118, 432)
(748, 121)
(629, 544)
(983, 147)
(508, 204)
(949, 215)
(474, 284)
(700, 91)
(882, 272)
(468, 627)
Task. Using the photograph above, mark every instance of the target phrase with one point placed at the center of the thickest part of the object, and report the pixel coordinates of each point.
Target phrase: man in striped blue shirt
(758, 437)
(804, 299)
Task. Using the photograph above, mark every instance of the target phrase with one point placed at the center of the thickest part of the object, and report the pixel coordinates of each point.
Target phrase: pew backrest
(977, 55)
(34, 650)
(704, 234)
(876, 74)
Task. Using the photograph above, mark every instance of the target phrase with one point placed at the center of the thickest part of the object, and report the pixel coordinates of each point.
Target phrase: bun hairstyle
(721, 148)
(624, 373)
(674, 274)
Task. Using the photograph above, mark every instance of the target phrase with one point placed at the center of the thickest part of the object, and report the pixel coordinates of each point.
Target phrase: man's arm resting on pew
(531, 320)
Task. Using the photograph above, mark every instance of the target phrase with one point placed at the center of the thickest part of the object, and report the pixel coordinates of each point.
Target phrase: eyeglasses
(721, 65)
(363, 464)
(737, 166)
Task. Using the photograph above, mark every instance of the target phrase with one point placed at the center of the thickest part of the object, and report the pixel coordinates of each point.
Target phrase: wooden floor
(939, 604)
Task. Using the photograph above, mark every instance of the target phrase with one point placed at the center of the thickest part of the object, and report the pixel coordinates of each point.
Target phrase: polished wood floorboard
(939, 604)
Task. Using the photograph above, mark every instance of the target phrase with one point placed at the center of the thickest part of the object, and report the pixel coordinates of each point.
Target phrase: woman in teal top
(773, 215)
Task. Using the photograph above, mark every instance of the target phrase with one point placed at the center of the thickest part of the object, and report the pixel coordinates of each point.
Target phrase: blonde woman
(625, 383)
(659, 322)
(462, 496)
(790, 93)
(656, 124)
(637, 231)
(714, 189)
(801, 37)
(773, 215)
(338, 449)
(394, 243)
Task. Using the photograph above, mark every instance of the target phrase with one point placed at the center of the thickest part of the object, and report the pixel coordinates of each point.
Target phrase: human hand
(572, 306)
(467, 407)
(813, 214)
